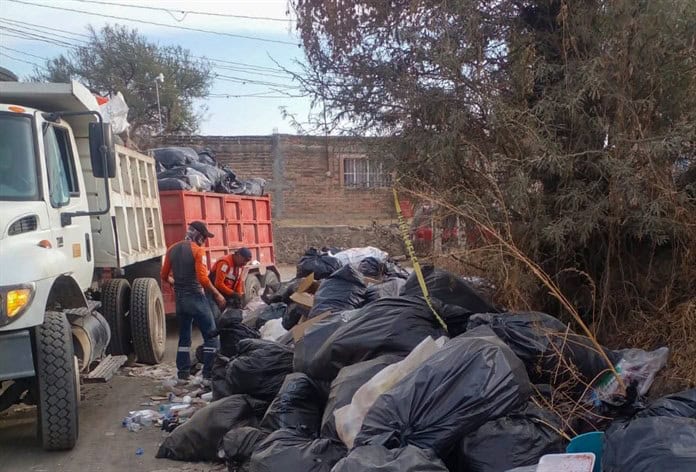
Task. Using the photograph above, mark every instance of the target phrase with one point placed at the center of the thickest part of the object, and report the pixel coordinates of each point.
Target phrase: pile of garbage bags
(184, 168)
(369, 379)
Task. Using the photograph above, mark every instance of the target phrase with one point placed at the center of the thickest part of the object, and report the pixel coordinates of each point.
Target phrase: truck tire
(252, 288)
(56, 382)
(147, 321)
(115, 298)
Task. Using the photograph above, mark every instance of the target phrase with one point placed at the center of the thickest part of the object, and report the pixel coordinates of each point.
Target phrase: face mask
(194, 235)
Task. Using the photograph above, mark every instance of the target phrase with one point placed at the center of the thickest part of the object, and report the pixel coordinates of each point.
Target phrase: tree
(119, 59)
(559, 124)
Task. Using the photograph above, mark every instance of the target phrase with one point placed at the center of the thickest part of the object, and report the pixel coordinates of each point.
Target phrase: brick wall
(304, 175)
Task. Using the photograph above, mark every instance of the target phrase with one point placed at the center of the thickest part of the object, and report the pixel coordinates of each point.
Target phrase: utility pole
(159, 78)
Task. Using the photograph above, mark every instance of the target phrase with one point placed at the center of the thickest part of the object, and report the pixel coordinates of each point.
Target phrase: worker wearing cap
(226, 275)
(185, 260)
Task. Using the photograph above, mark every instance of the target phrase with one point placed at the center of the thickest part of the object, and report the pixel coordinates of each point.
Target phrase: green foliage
(119, 59)
(559, 122)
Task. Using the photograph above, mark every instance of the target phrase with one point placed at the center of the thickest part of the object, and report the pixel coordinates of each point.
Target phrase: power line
(185, 12)
(35, 36)
(21, 60)
(22, 52)
(35, 25)
(180, 27)
(20, 29)
(242, 65)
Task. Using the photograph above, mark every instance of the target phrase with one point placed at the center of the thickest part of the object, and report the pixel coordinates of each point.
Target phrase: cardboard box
(299, 330)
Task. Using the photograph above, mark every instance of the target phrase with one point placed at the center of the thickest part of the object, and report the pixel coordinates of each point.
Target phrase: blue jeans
(192, 307)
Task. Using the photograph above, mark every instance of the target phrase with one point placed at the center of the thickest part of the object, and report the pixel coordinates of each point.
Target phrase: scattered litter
(140, 451)
(157, 372)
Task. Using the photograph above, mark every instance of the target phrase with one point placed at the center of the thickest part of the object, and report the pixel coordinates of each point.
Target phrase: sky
(266, 43)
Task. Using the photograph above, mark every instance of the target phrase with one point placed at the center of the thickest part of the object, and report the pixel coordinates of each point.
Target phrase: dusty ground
(104, 445)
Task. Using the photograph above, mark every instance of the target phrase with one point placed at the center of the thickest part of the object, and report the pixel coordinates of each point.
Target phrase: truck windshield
(18, 177)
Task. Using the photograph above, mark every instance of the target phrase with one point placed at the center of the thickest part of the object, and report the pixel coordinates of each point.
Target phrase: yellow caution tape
(414, 260)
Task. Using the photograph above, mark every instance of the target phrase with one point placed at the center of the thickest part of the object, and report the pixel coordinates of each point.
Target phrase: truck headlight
(14, 300)
(17, 300)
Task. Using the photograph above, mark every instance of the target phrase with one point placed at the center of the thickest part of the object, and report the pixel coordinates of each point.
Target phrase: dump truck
(236, 221)
(81, 244)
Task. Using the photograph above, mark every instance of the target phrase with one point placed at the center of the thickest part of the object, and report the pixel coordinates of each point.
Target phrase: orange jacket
(226, 276)
(186, 260)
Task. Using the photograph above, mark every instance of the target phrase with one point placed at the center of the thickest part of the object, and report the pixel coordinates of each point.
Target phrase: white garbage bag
(115, 111)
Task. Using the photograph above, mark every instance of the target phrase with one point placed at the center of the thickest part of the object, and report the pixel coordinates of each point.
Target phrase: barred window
(360, 172)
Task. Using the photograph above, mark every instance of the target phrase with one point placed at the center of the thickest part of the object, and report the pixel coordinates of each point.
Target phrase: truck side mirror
(101, 139)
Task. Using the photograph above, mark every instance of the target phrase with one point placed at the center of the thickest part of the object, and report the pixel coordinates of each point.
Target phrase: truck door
(66, 193)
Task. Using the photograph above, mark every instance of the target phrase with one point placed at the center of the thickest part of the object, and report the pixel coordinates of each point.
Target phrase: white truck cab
(81, 241)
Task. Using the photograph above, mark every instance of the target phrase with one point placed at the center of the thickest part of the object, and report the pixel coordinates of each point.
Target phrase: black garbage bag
(543, 343)
(318, 263)
(207, 156)
(228, 182)
(343, 290)
(218, 381)
(379, 458)
(259, 368)
(386, 326)
(198, 438)
(172, 184)
(173, 173)
(239, 444)
(227, 317)
(232, 331)
(371, 267)
(389, 288)
(271, 312)
(194, 178)
(449, 289)
(307, 347)
(657, 443)
(515, 440)
(282, 293)
(293, 315)
(169, 157)
(676, 405)
(344, 386)
(287, 451)
(472, 379)
(213, 173)
(255, 187)
(297, 406)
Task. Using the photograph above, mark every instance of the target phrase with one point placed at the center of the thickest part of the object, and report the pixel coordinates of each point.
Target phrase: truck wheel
(147, 321)
(252, 288)
(115, 308)
(56, 380)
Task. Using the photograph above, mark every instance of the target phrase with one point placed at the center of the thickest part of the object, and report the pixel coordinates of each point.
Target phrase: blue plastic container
(589, 442)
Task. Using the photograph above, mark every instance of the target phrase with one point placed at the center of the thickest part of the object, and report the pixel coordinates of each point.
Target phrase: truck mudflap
(16, 355)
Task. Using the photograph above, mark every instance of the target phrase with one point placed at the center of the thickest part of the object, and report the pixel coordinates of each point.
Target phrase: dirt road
(104, 445)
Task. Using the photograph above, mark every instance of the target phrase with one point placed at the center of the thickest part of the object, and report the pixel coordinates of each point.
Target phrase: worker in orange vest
(184, 267)
(227, 275)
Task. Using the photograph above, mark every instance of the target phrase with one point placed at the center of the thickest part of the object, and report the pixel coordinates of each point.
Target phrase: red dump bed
(236, 221)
